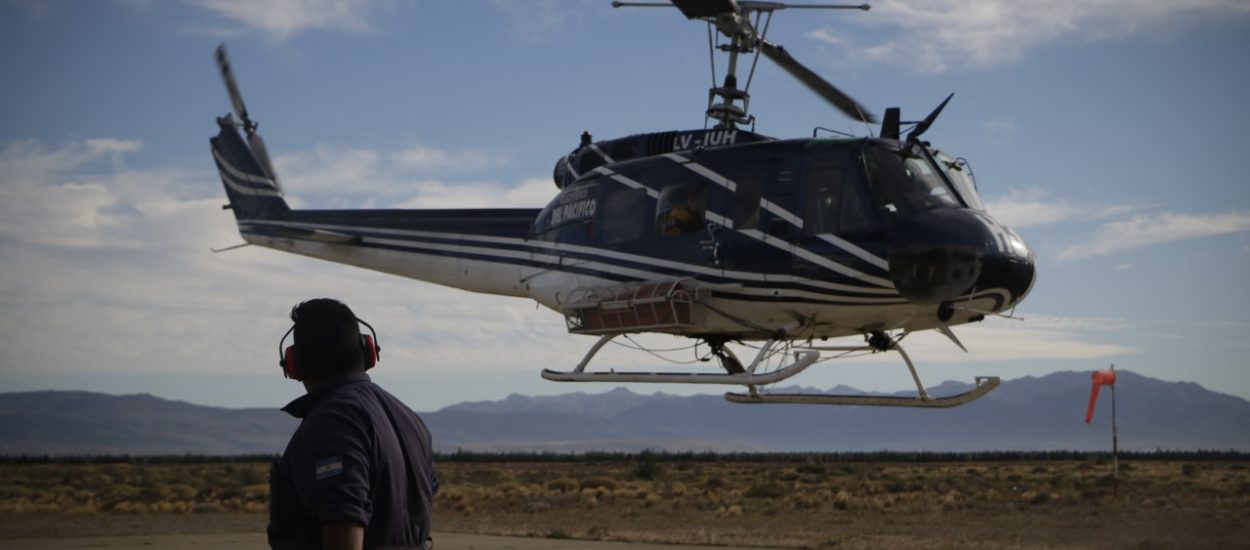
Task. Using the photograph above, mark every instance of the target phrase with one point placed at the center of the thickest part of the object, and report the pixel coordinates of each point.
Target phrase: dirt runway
(449, 541)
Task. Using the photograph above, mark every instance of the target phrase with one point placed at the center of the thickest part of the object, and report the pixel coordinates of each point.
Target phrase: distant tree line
(648, 456)
(838, 457)
(188, 458)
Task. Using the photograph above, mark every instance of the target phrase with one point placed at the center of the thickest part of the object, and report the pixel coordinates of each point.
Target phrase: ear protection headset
(368, 345)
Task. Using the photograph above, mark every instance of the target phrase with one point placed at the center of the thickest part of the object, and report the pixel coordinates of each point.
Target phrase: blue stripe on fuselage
(648, 265)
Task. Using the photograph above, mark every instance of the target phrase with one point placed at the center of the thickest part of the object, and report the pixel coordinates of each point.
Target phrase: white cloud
(998, 126)
(330, 169)
(937, 35)
(825, 35)
(531, 193)
(1149, 229)
(1024, 208)
(73, 215)
(1128, 227)
(25, 159)
(407, 178)
(281, 19)
(45, 200)
(113, 145)
(422, 157)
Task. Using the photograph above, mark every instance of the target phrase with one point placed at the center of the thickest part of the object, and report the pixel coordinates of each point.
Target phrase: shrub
(599, 482)
(562, 485)
(1035, 497)
(842, 500)
(648, 466)
(818, 469)
(179, 491)
(765, 490)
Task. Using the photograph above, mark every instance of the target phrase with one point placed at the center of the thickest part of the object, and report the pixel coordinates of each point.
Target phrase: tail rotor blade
(257, 144)
(254, 141)
(223, 63)
(815, 83)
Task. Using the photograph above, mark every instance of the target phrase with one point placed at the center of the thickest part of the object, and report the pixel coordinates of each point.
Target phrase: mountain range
(1029, 413)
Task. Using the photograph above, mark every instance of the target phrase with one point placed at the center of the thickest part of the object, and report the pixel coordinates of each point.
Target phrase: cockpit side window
(680, 209)
(834, 203)
(960, 174)
(903, 184)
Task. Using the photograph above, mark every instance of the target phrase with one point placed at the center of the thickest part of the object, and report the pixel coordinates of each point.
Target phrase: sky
(1109, 134)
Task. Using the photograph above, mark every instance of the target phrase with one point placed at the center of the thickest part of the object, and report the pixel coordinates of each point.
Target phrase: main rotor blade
(815, 83)
(223, 63)
(699, 9)
(924, 125)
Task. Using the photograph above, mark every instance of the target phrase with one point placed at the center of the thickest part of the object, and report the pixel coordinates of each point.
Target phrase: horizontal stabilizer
(320, 235)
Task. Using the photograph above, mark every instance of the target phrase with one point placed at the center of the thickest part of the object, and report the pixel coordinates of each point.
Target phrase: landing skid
(985, 384)
(802, 359)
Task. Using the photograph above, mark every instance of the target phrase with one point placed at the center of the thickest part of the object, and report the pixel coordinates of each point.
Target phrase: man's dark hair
(327, 338)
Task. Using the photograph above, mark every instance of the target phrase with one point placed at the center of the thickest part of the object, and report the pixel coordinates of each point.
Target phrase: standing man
(358, 472)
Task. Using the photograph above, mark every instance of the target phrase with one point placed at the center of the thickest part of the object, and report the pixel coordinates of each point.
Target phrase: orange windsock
(1101, 378)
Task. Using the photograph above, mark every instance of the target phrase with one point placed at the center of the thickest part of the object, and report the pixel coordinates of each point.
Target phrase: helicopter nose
(946, 253)
(1010, 271)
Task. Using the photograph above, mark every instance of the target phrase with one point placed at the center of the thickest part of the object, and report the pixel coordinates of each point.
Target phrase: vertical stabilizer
(252, 192)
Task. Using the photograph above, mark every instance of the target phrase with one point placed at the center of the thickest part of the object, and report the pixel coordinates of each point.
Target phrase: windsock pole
(1100, 379)
(1115, 446)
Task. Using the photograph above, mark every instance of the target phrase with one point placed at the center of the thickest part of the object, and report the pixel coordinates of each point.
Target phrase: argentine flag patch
(329, 467)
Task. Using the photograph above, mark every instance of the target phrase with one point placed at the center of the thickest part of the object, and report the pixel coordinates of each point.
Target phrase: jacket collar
(302, 405)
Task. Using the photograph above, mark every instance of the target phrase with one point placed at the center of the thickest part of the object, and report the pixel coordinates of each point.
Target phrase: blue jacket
(359, 456)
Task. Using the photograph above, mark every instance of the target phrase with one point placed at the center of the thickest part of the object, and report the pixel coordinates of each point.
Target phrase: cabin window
(624, 215)
(681, 209)
(834, 203)
(747, 198)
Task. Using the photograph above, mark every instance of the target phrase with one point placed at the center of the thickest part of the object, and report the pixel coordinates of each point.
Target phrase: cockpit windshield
(903, 184)
(960, 174)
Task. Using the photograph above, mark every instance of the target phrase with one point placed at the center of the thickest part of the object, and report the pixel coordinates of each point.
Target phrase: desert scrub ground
(1064, 503)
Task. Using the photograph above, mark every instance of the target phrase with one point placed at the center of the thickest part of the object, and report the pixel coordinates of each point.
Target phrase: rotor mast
(733, 19)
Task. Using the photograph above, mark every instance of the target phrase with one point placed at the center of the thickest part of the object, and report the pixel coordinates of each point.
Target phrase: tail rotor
(254, 141)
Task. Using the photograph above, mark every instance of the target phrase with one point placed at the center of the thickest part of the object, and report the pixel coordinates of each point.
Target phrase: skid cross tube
(802, 360)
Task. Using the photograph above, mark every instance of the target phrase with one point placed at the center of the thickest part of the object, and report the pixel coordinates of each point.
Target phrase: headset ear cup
(370, 349)
(288, 363)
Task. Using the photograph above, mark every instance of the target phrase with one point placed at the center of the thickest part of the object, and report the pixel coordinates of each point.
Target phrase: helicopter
(720, 235)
